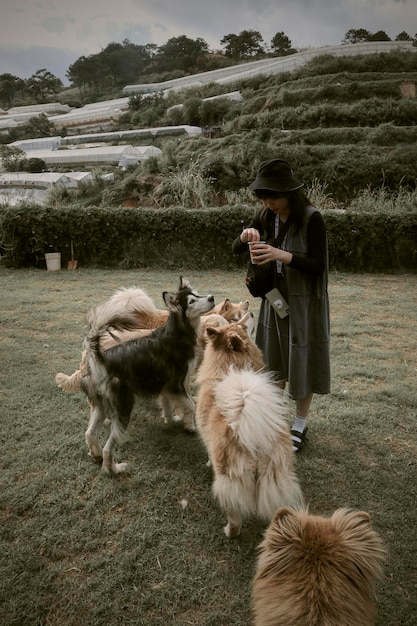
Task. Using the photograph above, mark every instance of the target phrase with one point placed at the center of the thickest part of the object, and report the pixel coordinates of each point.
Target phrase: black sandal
(298, 439)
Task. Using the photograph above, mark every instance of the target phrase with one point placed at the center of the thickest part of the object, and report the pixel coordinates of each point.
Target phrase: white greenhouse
(7, 123)
(22, 117)
(122, 156)
(16, 187)
(124, 135)
(41, 180)
(96, 113)
(42, 143)
(49, 107)
(235, 96)
(120, 103)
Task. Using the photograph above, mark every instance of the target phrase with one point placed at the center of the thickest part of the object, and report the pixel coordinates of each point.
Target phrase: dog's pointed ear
(170, 300)
(245, 305)
(235, 342)
(226, 306)
(244, 319)
(211, 332)
(367, 547)
(282, 513)
(285, 519)
(352, 520)
(184, 283)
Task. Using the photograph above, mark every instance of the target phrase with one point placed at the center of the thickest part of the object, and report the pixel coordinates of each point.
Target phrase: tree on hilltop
(380, 35)
(43, 84)
(403, 36)
(10, 87)
(180, 53)
(356, 35)
(281, 44)
(247, 44)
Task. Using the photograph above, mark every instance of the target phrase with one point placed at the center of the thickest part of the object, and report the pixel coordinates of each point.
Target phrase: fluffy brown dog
(148, 317)
(241, 418)
(317, 571)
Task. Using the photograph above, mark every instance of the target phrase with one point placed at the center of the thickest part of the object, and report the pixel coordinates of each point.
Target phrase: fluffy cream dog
(317, 571)
(242, 419)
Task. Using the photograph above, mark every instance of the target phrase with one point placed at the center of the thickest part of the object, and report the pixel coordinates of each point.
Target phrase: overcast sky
(52, 34)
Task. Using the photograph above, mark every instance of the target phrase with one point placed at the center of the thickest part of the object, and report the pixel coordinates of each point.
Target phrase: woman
(295, 347)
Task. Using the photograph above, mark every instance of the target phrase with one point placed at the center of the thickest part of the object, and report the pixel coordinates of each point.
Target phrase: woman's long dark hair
(298, 202)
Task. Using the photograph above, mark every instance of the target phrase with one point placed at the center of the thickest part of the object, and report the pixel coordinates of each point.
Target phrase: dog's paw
(61, 379)
(96, 453)
(96, 458)
(114, 469)
(67, 383)
(119, 468)
(231, 531)
(189, 424)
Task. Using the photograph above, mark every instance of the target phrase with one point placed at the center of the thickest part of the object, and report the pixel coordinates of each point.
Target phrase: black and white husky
(156, 365)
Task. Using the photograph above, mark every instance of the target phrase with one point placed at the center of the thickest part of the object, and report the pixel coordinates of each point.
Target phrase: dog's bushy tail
(254, 408)
(132, 299)
(104, 318)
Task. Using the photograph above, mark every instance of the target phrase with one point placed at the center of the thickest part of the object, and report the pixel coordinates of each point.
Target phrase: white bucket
(53, 261)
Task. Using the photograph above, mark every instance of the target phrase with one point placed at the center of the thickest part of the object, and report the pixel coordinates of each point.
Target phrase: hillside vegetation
(346, 125)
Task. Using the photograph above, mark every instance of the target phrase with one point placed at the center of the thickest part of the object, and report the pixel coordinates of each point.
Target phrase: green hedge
(176, 238)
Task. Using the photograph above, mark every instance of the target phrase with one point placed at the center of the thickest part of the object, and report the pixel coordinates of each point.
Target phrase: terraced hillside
(348, 123)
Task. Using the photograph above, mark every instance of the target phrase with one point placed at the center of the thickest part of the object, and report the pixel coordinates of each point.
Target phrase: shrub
(176, 116)
(393, 61)
(177, 238)
(192, 111)
(214, 111)
(12, 158)
(33, 165)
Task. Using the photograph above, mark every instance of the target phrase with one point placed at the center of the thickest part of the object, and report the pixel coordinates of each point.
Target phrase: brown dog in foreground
(317, 571)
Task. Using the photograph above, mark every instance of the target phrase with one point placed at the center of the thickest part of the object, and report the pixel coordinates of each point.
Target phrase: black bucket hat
(275, 175)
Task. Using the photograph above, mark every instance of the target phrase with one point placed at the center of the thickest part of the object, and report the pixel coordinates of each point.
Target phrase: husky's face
(188, 301)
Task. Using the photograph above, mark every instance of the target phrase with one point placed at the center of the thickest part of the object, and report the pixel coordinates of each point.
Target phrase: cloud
(24, 62)
(53, 34)
(57, 24)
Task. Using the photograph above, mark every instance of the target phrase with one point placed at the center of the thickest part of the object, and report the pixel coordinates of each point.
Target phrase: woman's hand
(263, 253)
(249, 234)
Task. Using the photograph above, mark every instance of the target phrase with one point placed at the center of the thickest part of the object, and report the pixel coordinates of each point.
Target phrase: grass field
(147, 548)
